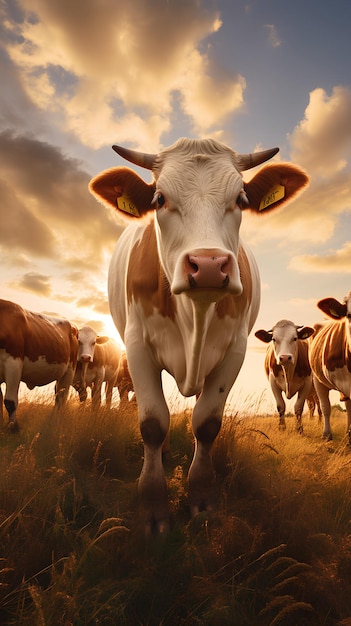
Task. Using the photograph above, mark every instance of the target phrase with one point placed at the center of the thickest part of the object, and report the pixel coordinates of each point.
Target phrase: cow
(184, 291)
(99, 359)
(123, 381)
(312, 402)
(36, 349)
(287, 367)
(330, 357)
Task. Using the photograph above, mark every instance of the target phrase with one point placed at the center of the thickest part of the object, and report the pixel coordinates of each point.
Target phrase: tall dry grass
(277, 551)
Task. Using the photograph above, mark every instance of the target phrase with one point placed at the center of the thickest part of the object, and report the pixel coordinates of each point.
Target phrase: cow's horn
(246, 161)
(138, 158)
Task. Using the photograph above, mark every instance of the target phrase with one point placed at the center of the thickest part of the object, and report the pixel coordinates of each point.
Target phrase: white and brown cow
(330, 357)
(287, 366)
(123, 382)
(184, 290)
(36, 349)
(99, 360)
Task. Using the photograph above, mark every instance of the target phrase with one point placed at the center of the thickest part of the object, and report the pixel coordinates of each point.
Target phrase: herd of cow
(38, 349)
(184, 294)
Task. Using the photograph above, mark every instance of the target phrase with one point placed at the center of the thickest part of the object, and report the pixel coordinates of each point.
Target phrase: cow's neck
(288, 373)
(194, 342)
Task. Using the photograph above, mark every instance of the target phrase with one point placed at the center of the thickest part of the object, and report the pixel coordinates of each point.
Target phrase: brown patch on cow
(236, 305)
(208, 431)
(23, 333)
(146, 280)
(303, 367)
(151, 431)
(336, 353)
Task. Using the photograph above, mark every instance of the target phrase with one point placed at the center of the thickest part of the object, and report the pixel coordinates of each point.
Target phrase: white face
(285, 344)
(197, 223)
(86, 344)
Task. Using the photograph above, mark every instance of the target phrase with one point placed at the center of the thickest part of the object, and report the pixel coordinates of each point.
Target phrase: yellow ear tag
(127, 206)
(275, 194)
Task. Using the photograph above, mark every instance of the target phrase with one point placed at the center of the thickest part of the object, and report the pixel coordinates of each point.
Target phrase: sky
(80, 75)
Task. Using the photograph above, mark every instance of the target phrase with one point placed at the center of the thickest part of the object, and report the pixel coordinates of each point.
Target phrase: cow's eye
(160, 200)
(242, 199)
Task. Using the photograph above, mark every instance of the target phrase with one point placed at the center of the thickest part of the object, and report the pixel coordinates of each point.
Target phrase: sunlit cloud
(321, 142)
(125, 62)
(335, 261)
(36, 283)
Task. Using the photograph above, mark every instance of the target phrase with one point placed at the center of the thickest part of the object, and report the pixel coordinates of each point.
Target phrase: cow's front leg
(207, 420)
(323, 395)
(96, 389)
(152, 484)
(201, 473)
(298, 409)
(13, 371)
(348, 412)
(1, 408)
(62, 388)
(278, 395)
(154, 426)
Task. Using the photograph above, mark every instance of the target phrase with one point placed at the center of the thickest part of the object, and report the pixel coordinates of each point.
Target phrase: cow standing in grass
(99, 360)
(330, 356)
(184, 290)
(123, 382)
(288, 368)
(36, 349)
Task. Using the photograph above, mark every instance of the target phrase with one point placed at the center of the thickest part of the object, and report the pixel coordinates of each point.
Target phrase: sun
(111, 330)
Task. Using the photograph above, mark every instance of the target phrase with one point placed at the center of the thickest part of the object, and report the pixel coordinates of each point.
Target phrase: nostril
(193, 266)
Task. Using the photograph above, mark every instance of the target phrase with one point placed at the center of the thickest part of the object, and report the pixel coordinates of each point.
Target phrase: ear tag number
(127, 206)
(275, 194)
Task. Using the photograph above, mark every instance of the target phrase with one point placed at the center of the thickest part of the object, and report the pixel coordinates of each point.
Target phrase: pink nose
(85, 358)
(207, 271)
(284, 359)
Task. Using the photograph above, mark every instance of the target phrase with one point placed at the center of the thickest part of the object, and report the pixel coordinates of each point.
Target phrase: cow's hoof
(13, 426)
(156, 528)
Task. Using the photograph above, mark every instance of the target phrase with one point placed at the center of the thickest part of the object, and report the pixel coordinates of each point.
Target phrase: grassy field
(72, 553)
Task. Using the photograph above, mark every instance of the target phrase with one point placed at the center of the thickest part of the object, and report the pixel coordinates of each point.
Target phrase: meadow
(277, 550)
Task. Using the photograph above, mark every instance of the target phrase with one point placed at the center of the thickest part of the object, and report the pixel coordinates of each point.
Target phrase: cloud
(49, 210)
(36, 283)
(321, 142)
(275, 41)
(51, 224)
(336, 261)
(124, 60)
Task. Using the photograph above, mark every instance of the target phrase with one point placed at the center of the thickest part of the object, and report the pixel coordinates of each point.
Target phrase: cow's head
(197, 196)
(87, 340)
(337, 310)
(284, 336)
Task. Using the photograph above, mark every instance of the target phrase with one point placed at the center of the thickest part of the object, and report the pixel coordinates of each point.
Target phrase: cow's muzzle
(207, 271)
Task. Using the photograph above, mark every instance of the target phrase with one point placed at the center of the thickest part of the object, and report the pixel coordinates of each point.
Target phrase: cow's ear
(264, 335)
(333, 308)
(305, 332)
(274, 185)
(100, 339)
(123, 190)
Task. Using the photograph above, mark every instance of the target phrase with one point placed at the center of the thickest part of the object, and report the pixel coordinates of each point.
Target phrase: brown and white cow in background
(37, 350)
(287, 367)
(99, 359)
(330, 357)
(184, 290)
(123, 382)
